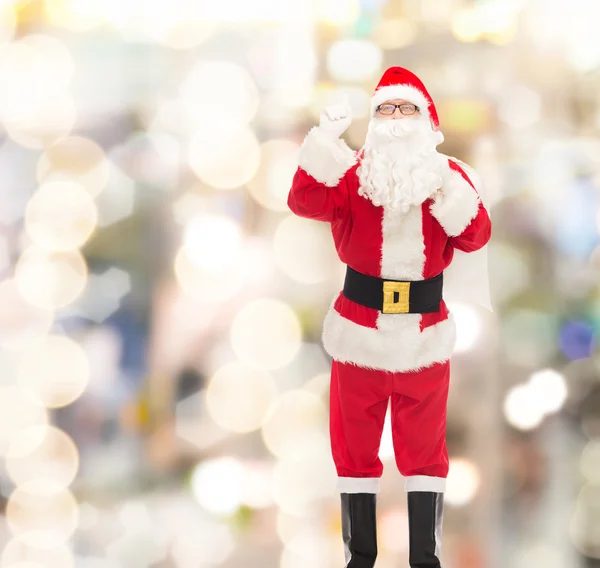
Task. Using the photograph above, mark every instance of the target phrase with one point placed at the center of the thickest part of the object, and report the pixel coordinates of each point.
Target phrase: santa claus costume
(398, 210)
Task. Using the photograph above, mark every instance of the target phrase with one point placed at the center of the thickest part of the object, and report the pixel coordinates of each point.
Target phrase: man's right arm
(318, 189)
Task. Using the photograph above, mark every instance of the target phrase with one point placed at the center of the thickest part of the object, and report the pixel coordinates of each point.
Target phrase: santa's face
(400, 166)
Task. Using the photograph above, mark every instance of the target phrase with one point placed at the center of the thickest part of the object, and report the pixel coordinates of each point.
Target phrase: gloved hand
(335, 119)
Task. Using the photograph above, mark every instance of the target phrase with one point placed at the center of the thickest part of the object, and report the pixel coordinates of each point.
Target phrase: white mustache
(390, 129)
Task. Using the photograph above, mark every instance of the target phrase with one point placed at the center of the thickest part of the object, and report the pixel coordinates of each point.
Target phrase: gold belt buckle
(390, 306)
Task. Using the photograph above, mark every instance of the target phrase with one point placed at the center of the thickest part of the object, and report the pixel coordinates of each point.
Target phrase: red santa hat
(400, 83)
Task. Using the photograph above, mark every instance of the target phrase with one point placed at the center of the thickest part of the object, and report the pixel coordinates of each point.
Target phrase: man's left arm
(460, 212)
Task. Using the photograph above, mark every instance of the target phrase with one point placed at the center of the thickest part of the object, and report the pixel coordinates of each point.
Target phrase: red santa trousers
(358, 403)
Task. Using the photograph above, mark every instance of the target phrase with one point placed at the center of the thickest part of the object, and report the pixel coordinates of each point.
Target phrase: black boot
(425, 516)
(359, 529)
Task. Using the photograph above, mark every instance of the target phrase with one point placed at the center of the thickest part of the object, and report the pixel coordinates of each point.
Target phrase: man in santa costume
(398, 211)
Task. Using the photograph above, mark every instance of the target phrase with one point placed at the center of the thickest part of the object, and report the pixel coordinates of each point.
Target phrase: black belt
(394, 296)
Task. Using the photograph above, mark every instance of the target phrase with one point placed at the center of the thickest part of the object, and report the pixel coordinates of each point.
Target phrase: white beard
(400, 166)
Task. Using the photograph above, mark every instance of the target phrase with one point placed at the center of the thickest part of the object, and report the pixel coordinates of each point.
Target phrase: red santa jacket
(373, 240)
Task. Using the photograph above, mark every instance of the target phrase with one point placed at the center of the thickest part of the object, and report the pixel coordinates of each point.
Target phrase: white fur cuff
(324, 159)
(457, 204)
(425, 483)
(358, 485)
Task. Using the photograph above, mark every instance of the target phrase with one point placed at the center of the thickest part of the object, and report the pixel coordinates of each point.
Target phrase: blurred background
(163, 388)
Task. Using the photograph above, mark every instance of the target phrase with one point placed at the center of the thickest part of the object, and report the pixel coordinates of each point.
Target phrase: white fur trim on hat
(325, 159)
(406, 92)
(457, 204)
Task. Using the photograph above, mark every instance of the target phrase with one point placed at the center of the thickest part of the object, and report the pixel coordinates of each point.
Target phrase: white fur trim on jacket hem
(358, 484)
(406, 92)
(397, 345)
(425, 483)
(325, 159)
(456, 205)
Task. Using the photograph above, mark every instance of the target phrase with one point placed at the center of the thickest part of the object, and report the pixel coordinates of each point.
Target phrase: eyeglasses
(405, 108)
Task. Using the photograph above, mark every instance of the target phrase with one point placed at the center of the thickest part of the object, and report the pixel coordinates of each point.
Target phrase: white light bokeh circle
(17, 554)
(20, 67)
(21, 324)
(35, 106)
(42, 514)
(35, 62)
(56, 369)
(297, 420)
(56, 59)
(550, 388)
(42, 453)
(466, 25)
(224, 155)
(19, 409)
(222, 89)
(75, 15)
(271, 185)
(463, 482)
(50, 280)
(207, 285)
(38, 122)
(238, 397)
(396, 33)
(496, 21)
(60, 216)
(212, 242)
(266, 334)
(306, 548)
(354, 60)
(304, 251)
(178, 24)
(76, 159)
(217, 485)
(523, 408)
(300, 480)
(338, 12)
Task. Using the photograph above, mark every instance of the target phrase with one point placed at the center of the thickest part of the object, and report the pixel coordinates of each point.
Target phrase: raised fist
(335, 119)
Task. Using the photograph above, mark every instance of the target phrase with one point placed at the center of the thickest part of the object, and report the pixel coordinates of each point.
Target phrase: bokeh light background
(163, 388)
